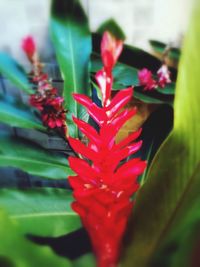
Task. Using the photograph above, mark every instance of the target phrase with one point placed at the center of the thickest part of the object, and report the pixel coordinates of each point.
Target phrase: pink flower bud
(163, 76)
(146, 79)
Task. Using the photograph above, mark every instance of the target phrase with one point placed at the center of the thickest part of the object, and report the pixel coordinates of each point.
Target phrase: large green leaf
(72, 42)
(14, 72)
(184, 234)
(15, 116)
(42, 211)
(174, 175)
(17, 251)
(15, 152)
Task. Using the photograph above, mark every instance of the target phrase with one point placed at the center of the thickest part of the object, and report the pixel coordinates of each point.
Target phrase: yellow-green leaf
(171, 177)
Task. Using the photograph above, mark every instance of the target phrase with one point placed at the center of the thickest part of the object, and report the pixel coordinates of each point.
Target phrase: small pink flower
(146, 79)
(163, 76)
(29, 46)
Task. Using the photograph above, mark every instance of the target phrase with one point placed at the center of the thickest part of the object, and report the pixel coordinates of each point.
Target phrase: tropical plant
(106, 171)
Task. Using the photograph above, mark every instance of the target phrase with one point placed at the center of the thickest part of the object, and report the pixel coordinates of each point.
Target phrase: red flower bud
(110, 50)
(29, 46)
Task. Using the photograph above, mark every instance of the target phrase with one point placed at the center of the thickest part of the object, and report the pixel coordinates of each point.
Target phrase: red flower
(45, 99)
(53, 114)
(163, 76)
(146, 79)
(50, 105)
(29, 47)
(37, 101)
(104, 185)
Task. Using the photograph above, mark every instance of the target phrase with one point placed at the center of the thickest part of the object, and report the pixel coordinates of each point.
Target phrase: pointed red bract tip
(111, 49)
(29, 46)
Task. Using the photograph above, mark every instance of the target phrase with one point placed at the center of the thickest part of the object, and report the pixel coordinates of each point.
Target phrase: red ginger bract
(104, 185)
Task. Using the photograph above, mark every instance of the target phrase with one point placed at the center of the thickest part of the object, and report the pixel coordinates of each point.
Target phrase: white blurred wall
(144, 19)
(140, 19)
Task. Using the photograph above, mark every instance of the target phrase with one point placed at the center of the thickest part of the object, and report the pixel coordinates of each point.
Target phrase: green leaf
(14, 72)
(125, 75)
(17, 251)
(184, 234)
(18, 117)
(169, 89)
(160, 47)
(72, 42)
(112, 26)
(42, 211)
(174, 176)
(86, 260)
(146, 97)
(174, 53)
(29, 157)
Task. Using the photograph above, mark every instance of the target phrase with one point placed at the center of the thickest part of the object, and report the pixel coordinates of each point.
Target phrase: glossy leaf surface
(42, 211)
(29, 157)
(16, 250)
(15, 116)
(72, 42)
(14, 72)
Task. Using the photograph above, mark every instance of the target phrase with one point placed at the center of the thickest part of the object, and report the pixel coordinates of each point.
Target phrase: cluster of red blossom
(46, 98)
(103, 185)
(146, 79)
